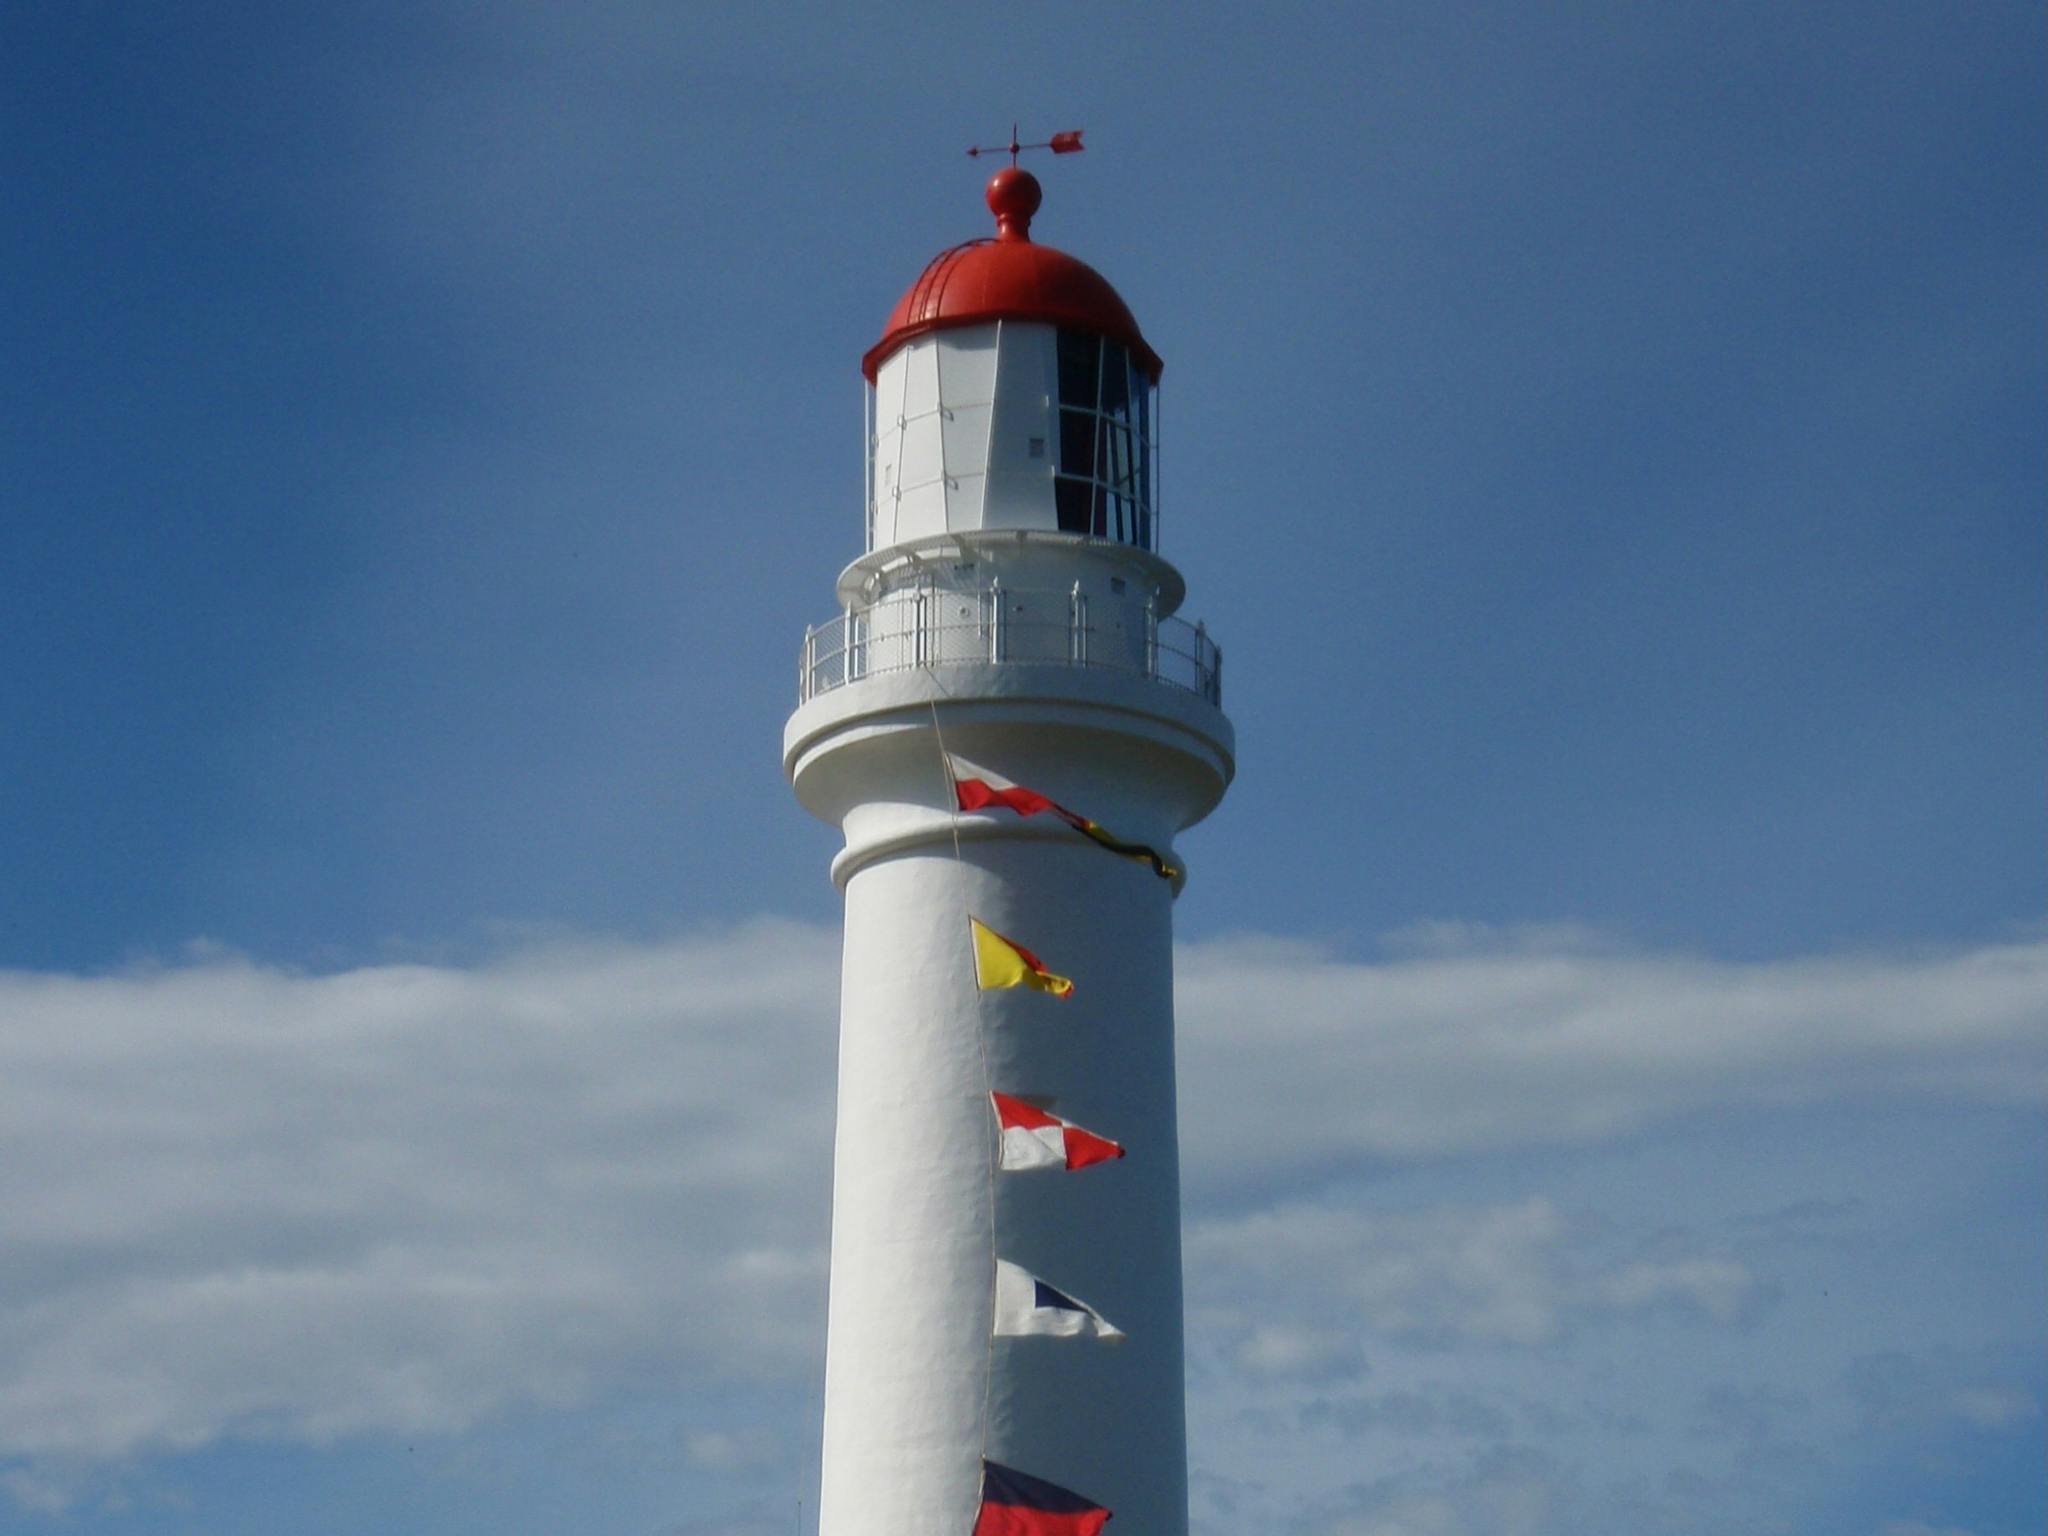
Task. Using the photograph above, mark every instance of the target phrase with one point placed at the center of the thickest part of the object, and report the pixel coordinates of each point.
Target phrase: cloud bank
(1491, 1041)
(240, 1200)
(246, 1202)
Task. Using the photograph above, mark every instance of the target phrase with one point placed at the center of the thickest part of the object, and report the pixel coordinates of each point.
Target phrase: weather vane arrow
(1068, 143)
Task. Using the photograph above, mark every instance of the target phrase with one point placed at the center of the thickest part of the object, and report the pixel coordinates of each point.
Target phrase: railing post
(916, 620)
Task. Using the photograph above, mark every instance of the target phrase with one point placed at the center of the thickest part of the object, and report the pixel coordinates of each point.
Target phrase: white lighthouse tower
(1009, 722)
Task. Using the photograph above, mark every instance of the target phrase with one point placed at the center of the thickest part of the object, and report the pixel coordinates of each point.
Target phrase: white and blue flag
(1026, 1305)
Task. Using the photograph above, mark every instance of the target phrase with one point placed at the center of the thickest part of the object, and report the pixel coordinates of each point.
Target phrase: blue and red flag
(1014, 1504)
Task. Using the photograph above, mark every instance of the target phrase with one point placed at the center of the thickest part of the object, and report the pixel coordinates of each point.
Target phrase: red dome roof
(1010, 278)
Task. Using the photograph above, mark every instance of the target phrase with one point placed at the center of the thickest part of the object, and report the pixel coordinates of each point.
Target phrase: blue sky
(1606, 441)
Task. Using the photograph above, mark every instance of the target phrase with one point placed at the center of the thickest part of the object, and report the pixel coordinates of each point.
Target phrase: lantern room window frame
(1106, 472)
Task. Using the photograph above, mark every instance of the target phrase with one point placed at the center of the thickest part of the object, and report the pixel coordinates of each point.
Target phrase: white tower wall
(910, 1358)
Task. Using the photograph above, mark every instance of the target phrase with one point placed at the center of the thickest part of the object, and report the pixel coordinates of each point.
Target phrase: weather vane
(1068, 143)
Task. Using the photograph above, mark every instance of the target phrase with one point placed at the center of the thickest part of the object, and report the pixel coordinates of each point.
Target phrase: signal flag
(1015, 1504)
(1001, 962)
(1034, 1139)
(976, 788)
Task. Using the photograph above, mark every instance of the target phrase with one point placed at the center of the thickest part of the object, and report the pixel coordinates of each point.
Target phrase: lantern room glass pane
(1077, 443)
(1105, 474)
(1116, 381)
(1070, 504)
(1116, 460)
(1079, 356)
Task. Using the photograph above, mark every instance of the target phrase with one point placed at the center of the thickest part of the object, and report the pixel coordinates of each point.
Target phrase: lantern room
(1012, 390)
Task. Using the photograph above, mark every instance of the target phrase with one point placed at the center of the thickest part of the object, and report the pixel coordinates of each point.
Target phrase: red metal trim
(987, 280)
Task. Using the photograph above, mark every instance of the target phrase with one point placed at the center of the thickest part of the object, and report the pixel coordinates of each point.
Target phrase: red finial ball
(1013, 196)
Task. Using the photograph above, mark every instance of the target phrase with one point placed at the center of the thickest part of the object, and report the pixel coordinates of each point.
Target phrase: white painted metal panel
(910, 479)
(975, 409)
(890, 380)
(1021, 440)
(921, 387)
(967, 376)
(967, 364)
(921, 495)
(965, 430)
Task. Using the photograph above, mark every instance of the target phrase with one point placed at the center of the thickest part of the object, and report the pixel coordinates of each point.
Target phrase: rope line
(988, 1086)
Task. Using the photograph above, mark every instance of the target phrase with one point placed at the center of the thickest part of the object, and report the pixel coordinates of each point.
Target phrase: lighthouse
(1009, 719)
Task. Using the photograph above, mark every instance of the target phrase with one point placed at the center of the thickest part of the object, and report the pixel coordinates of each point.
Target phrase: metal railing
(936, 625)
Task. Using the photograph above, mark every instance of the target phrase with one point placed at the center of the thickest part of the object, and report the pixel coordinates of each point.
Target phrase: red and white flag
(976, 788)
(1034, 1139)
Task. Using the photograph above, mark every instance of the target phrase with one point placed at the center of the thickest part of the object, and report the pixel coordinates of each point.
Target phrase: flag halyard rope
(1095, 833)
(988, 1086)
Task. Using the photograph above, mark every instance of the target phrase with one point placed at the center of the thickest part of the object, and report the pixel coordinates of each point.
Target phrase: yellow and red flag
(1001, 962)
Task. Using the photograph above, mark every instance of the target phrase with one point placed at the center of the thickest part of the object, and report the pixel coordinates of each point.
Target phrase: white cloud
(1932, 1387)
(727, 1450)
(1717, 1287)
(1502, 1274)
(1993, 1407)
(1467, 1043)
(1296, 1351)
(241, 1201)
(38, 1495)
(1515, 1493)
